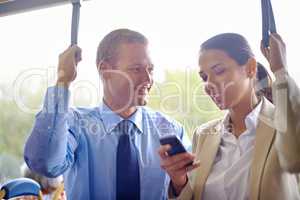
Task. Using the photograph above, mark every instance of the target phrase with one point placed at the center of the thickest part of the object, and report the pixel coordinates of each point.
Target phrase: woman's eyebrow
(215, 65)
(141, 64)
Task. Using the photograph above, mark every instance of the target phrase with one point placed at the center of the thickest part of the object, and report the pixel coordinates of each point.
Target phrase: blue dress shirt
(81, 144)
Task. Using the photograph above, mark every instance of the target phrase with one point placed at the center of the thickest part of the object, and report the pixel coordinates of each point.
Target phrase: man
(108, 152)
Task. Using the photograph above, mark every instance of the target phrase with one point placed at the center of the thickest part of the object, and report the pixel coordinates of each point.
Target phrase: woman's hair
(235, 45)
(238, 48)
(263, 82)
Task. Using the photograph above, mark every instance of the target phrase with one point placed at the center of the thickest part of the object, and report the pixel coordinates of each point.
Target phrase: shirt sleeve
(50, 147)
(286, 96)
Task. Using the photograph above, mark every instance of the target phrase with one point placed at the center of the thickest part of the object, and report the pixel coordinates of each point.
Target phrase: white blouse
(229, 176)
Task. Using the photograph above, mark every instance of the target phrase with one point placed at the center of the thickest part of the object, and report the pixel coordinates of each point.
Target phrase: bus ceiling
(10, 7)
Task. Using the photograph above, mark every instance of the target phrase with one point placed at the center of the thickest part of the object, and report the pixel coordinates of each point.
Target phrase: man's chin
(142, 102)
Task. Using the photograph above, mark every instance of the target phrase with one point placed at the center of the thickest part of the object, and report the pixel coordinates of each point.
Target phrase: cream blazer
(276, 149)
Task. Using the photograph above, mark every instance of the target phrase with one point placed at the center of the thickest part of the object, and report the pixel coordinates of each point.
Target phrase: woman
(253, 152)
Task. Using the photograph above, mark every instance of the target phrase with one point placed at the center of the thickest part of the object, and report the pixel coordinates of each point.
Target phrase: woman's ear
(251, 68)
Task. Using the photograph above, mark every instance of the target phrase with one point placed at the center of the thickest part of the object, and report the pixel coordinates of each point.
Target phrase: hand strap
(75, 21)
(268, 21)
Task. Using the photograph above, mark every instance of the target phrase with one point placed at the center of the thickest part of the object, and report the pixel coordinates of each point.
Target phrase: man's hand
(67, 65)
(176, 166)
(276, 53)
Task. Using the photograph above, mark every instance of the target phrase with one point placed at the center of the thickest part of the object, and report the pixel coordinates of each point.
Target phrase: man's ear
(251, 68)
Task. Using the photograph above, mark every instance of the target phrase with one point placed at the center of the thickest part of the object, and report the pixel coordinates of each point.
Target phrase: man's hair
(108, 47)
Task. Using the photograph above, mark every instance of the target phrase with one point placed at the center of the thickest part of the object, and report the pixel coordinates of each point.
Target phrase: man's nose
(147, 76)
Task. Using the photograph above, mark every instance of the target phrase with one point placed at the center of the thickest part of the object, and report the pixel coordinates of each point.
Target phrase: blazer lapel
(265, 135)
(207, 153)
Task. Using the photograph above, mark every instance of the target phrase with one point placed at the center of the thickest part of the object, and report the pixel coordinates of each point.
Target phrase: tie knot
(125, 126)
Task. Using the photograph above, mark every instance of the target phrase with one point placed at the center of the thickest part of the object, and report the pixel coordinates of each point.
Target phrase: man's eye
(150, 70)
(134, 69)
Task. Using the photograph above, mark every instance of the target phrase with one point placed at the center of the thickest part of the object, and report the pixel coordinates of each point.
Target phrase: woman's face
(226, 82)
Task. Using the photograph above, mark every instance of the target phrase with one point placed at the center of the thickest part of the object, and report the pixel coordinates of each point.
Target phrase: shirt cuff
(186, 192)
(281, 76)
(56, 100)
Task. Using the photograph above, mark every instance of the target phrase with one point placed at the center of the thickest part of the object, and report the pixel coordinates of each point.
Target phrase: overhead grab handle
(75, 21)
(268, 21)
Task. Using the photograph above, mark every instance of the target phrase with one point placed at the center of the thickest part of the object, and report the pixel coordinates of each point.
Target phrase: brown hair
(108, 47)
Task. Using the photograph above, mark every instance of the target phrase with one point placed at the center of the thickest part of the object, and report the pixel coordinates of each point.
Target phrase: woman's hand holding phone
(177, 165)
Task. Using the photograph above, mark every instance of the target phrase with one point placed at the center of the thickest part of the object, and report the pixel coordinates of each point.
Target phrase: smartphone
(176, 145)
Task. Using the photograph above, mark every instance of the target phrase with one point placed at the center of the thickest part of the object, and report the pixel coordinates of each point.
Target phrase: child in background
(52, 188)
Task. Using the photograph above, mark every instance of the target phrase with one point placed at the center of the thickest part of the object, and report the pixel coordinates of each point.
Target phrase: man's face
(131, 76)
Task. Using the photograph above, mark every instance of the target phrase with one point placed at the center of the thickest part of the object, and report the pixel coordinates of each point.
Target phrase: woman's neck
(240, 111)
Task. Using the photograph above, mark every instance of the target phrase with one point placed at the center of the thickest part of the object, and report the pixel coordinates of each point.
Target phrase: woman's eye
(203, 76)
(219, 70)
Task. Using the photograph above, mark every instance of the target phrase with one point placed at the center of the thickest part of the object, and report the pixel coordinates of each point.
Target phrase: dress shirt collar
(251, 119)
(111, 119)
